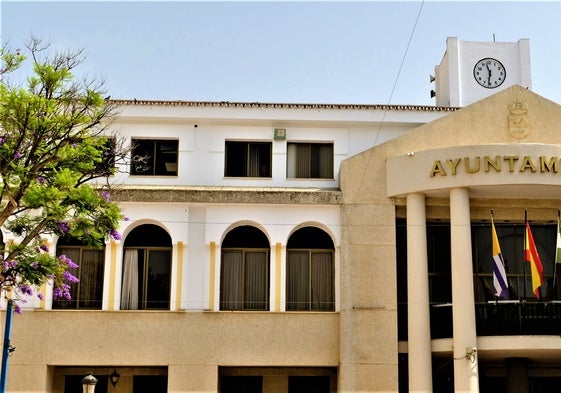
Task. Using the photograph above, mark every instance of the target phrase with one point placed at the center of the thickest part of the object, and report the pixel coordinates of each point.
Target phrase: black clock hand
(488, 76)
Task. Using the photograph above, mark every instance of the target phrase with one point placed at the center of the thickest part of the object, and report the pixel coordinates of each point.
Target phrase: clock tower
(471, 71)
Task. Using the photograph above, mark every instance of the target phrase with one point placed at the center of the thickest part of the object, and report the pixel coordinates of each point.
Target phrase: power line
(406, 50)
(400, 69)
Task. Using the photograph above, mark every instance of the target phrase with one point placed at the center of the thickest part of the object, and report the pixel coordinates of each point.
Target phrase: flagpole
(492, 251)
(524, 252)
(556, 252)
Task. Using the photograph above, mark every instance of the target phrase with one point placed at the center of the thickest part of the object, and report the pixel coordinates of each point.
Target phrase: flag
(558, 247)
(500, 282)
(532, 257)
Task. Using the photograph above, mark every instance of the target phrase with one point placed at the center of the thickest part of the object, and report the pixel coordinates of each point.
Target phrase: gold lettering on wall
(437, 169)
(496, 164)
(527, 164)
(511, 160)
(514, 163)
(470, 169)
(548, 166)
(453, 164)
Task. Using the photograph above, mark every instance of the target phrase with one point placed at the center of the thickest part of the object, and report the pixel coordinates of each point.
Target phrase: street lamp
(88, 384)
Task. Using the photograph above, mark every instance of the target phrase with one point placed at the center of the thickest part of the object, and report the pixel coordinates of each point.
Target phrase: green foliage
(52, 148)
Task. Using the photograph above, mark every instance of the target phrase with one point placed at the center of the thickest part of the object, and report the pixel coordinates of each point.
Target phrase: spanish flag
(532, 257)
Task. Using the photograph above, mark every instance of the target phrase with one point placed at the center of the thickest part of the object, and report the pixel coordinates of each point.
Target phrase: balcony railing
(503, 318)
(518, 317)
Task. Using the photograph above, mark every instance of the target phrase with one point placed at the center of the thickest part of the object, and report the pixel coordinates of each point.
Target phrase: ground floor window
(309, 384)
(73, 383)
(130, 379)
(149, 384)
(277, 379)
(241, 384)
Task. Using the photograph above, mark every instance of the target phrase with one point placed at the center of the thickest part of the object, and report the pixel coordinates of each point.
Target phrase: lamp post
(7, 349)
(88, 384)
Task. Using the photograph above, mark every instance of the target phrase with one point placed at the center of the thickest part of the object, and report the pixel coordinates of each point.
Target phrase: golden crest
(518, 123)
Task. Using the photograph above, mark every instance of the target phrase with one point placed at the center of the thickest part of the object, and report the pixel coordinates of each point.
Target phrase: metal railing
(503, 318)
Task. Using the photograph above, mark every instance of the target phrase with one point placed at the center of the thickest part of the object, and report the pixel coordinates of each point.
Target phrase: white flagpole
(556, 252)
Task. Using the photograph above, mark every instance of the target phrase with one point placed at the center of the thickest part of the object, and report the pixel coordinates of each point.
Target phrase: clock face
(489, 73)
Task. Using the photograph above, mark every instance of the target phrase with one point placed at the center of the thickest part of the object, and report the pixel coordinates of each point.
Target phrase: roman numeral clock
(471, 71)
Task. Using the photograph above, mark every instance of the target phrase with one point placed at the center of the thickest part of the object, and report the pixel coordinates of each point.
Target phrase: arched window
(146, 269)
(310, 271)
(244, 277)
(88, 292)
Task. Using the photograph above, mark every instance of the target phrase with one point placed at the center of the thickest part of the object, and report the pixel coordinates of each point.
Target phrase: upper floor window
(310, 271)
(248, 159)
(86, 293)
(146, 269)
(244, 273)
(108, 160)
(154, 157)
(309, 160)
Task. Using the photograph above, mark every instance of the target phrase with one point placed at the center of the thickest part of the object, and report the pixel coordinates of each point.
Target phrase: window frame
(243, 289)
(143, 303)
(314, 165)
(232, 159)
(157, 157)
(309, 301)
(76, 302)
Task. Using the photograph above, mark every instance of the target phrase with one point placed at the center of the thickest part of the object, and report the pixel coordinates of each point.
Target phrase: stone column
(418, 312)
(466, 377)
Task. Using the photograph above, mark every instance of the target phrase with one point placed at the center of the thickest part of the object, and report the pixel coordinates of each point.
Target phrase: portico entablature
(494, 170)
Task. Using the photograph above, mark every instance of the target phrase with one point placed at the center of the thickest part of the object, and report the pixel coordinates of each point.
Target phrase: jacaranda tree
(54, 156)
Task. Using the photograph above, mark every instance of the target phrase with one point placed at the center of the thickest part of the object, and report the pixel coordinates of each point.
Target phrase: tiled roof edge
(228, 104)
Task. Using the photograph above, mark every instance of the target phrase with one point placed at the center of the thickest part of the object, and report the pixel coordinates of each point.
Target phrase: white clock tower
(471, 71)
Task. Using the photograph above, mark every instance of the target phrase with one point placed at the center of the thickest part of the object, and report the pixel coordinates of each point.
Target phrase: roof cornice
(229, 104)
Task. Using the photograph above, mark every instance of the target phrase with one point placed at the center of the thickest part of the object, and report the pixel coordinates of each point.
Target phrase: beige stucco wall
(368, 285)
(361, 339)
(368, 276)
(190, 343)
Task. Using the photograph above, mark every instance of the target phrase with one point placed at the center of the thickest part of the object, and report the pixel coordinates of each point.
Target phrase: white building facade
(287, 248)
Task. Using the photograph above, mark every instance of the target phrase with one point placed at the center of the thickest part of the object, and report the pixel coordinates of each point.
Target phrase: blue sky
(286, 51)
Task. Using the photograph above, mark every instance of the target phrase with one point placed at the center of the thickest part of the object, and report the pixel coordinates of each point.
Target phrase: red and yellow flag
(532, 257)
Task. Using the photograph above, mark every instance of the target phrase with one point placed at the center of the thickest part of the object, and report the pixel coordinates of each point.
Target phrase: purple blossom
(40, 296)
(34, 265)
(1, 140)
(62, 292)
(13, 264)
(41, 180)
(17, 155)
(17, 309)
(127, 219)
(44, 247)
(69, 262)
(105, 196)
(26, 290)
(63, 227)
(5, 265)
(70, 277)
(57, 293)
(114, 234)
